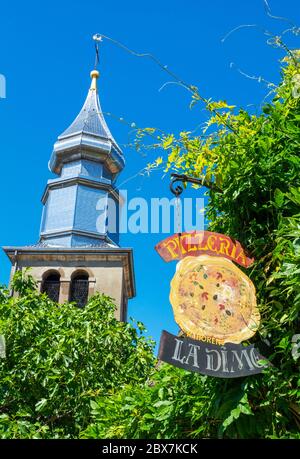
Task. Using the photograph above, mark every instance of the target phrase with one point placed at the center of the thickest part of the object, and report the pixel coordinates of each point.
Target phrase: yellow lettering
(242, 257)
(224, 246)
(233, 251)
(211, 241)
(172, 247)
(201, 240)
(187, 238)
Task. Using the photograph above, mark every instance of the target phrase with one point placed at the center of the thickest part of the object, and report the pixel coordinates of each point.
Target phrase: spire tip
(94, 75)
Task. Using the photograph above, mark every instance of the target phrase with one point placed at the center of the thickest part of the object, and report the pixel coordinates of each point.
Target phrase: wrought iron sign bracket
(178, 189)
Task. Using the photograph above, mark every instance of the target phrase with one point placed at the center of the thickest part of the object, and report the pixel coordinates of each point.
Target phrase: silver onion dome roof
(88, 136)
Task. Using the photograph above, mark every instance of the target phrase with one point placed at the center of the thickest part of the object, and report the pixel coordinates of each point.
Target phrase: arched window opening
(79, 289)
(51, 286)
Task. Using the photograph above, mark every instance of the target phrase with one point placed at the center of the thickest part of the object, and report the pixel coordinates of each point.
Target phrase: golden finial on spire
(94, 75)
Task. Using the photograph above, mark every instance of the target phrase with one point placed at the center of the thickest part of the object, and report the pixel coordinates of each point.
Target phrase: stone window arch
(51, 285)
(79, 288)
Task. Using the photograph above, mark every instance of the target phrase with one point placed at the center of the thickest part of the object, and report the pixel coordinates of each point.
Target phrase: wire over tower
(97, 39)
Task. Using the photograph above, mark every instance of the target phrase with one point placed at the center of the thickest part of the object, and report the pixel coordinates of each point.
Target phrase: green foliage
(78, 372)
(251, 167)
(178, 404)
(23, 283)
(59, 357)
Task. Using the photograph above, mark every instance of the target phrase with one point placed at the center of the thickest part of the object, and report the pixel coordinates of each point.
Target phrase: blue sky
(46, 56)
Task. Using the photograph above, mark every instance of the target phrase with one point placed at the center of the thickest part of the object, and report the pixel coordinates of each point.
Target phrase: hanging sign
(214, 303)
(227, 361)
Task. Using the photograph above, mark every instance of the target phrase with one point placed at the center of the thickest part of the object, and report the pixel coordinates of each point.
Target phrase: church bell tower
(78, 252)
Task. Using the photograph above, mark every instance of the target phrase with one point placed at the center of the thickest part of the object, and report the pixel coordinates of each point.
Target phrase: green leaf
(279, 198)
(40, 405)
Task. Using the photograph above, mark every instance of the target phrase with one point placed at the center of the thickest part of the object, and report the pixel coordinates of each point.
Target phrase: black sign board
(223, 361)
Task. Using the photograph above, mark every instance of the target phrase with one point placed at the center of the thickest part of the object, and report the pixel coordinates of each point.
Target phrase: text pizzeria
(202, 242)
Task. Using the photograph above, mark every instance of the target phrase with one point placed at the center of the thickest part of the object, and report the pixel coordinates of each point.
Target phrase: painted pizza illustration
(211, 296)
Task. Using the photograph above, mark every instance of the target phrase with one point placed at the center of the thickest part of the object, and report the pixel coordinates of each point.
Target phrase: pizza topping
(204, 296)
(182, 291)
(199, 268)
(182, 307)
(233, 282)
(210, 298)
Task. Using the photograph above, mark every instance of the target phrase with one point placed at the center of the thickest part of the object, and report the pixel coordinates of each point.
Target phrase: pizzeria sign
(214, 304)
